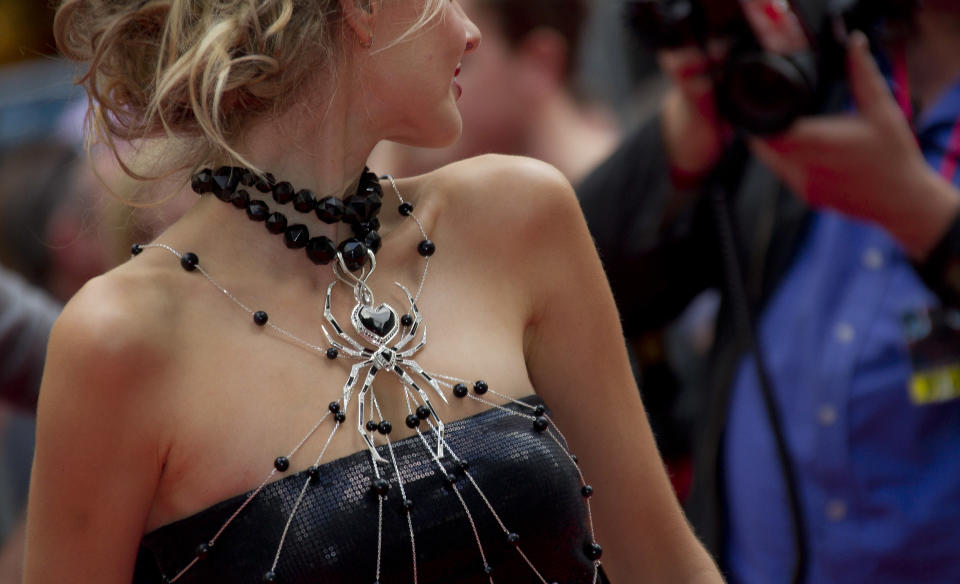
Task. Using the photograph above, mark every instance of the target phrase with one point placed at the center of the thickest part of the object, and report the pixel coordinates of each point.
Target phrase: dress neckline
(358, 457)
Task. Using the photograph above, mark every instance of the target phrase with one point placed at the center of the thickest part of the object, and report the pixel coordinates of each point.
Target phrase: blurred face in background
(495, 101)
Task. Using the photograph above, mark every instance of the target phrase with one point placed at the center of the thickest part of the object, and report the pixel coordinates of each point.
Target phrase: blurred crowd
(787, 302)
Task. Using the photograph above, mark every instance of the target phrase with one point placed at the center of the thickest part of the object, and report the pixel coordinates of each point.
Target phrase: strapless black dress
(527, 477)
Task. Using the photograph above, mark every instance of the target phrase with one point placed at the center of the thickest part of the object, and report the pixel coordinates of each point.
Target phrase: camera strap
(901, 90)
(950, 162)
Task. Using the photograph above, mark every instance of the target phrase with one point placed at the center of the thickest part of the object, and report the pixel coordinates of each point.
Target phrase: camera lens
(764, 93)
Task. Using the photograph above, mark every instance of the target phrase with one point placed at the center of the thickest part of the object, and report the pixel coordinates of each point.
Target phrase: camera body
(765, 80)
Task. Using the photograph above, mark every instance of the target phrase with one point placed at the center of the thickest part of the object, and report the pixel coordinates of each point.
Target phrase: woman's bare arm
(97, 462)
(577, 361)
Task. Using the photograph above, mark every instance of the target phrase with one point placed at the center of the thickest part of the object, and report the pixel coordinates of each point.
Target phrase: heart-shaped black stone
(380, 320)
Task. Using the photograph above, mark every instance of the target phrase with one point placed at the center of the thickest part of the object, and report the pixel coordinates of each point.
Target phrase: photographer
(830, 419)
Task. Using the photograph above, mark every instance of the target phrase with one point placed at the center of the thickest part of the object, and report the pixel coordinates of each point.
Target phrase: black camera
(766, 80)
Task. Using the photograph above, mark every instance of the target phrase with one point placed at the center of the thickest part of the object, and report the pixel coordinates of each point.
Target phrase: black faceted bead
(374, 194)
(423, 412)
(405, 208)
(283, 192)
(574, 458)
(246, 176)
(240, 199)
(276, 223)
(539, 410)
(407, 504)
(369, 183)
(373, 241)
(487, 569)
(460, 390)
(265, 183)
(426, 248)
(381, 487)
(361, 207)
(360, 230)
(540, 424)
(282, 463)
(406, 320)
(321, 250)
(189, 261)
(354, 254)
(593, 551)
(296, 236)
(329, 209)
(340, 417)
(384, 427)
(224, 182)
(586, 491)
(464, 465)
(270, 576)
(313, 472)
(480, 387)
(513, 539)
(365, 227)
(450, 478)
(371, 426)
(334, 407)
(260, 317)
(201, 182)
(412, 421)
(332, 353)
(203, 551)
(257, 210)
(304, 201)
(135, 249)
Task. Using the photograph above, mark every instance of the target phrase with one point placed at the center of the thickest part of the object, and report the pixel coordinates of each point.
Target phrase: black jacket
(660, 248)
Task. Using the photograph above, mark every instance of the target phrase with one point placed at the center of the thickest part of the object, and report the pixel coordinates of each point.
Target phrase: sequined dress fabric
(526, 475)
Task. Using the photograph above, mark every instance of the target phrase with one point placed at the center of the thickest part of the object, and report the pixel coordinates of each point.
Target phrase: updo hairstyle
(197, 71)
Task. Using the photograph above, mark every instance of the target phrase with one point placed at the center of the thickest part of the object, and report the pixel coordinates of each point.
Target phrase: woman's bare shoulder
(118, 326)
(500, 177)
(509, 193)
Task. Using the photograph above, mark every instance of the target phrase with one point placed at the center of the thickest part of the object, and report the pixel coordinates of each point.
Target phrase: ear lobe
(359, 16)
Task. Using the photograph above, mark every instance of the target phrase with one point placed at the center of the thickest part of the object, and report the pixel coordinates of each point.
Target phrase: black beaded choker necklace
(358, 210)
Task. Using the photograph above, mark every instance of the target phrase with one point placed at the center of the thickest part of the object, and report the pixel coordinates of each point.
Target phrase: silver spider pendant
(376, 352)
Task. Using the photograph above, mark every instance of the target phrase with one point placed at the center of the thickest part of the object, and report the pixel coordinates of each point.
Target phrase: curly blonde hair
(195, 72)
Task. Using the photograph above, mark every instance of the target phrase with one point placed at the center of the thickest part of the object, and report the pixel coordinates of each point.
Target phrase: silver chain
(364, 296)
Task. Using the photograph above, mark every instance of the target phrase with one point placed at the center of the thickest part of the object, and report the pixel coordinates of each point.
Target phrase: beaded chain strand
(418, 411)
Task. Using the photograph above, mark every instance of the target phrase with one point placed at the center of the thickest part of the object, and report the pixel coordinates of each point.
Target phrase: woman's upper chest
(247, 394)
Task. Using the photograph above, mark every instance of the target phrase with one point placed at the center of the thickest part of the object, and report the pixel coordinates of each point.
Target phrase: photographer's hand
(866, 164)
(692, 131)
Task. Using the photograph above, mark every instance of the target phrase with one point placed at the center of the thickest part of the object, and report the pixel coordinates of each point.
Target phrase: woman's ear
(359, 15)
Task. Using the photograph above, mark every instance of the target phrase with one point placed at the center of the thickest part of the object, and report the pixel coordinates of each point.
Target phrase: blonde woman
(223, 409)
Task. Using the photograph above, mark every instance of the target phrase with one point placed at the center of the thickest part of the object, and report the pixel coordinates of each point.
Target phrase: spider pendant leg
(361, 398)
(328, 315)
(409, 382)
(426, 377)
(412, 333)
(407, 338)
(341, 347)
(352, 381)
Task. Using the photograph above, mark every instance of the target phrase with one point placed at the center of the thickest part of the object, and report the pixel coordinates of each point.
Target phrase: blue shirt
(879, 477)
